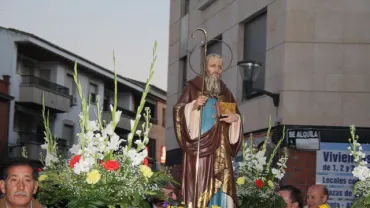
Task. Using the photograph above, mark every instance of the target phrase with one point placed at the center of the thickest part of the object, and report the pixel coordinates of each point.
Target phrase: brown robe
(216, 152)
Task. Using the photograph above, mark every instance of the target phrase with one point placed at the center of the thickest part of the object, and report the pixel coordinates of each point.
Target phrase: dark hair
(166, 185)
(295, 194)
(20, 162)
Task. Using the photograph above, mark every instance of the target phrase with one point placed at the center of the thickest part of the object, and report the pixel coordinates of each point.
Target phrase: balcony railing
(132, 114)
(129, 114)
(27, 137)
(37, 81)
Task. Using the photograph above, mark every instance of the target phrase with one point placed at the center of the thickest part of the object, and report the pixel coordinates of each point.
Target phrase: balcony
(56, 96)
(30, 137)
(32, 142)
(126, 116)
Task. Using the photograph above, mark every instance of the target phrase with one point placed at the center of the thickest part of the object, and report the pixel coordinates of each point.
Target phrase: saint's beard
(213, 85)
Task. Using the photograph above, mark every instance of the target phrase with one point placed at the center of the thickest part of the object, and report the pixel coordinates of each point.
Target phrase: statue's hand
(230, 118)
(201, 100)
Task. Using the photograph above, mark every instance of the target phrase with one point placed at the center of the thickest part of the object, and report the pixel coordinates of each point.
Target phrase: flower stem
(142, 101)
(274, 152)
(114, 124)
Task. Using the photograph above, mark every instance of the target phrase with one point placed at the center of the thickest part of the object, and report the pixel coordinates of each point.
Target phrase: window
(184, 7)
(164, 117)
(106, 102)
(183, 72)
(152, 106)
(93, 92)
(25, 66)
(215, 47)
(71, 85)
(68, 134)
(151, 150)
(22, 120)
(255, 49)
(44, 74)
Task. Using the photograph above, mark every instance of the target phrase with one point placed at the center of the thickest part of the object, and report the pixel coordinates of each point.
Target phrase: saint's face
(214, 66)
(19, 186)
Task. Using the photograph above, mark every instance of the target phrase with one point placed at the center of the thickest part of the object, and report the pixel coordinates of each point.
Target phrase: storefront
(331, 164)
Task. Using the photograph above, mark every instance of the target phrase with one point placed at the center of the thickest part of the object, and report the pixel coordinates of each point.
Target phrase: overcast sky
(94, 28)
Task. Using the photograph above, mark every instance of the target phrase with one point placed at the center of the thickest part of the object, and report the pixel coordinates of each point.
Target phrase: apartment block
(35, 67)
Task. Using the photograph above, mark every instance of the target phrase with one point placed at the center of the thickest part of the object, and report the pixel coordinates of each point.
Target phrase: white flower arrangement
(257, 181)
(101, 171)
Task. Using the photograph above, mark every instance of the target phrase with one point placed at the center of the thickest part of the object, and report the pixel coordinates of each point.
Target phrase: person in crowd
(317, 196)
(292, 196)
(19, 183)
(168, 190)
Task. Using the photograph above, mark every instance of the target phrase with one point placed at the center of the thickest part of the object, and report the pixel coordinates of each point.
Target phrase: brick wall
(301, 171)
(4, 84)
(4, 119)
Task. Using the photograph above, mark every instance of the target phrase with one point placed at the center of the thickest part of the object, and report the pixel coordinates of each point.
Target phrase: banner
(334, 166)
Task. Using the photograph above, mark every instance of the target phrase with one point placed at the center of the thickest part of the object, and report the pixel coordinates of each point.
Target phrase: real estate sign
(334, 166)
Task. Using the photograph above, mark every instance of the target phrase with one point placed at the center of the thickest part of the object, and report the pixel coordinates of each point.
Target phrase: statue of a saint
(221, 135)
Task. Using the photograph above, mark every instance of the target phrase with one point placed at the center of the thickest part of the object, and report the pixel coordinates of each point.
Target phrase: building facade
(38, 67)
(315, 55)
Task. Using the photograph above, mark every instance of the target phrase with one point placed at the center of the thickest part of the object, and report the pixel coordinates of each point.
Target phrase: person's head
(214, 64)
(292, 196)
(317, 195)
(169, 191)
(19, 182)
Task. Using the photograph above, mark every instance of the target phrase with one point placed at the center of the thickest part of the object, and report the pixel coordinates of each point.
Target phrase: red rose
(111, 165)
(259, 183)
(74, 160)
(39, 169)
(146, 161)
